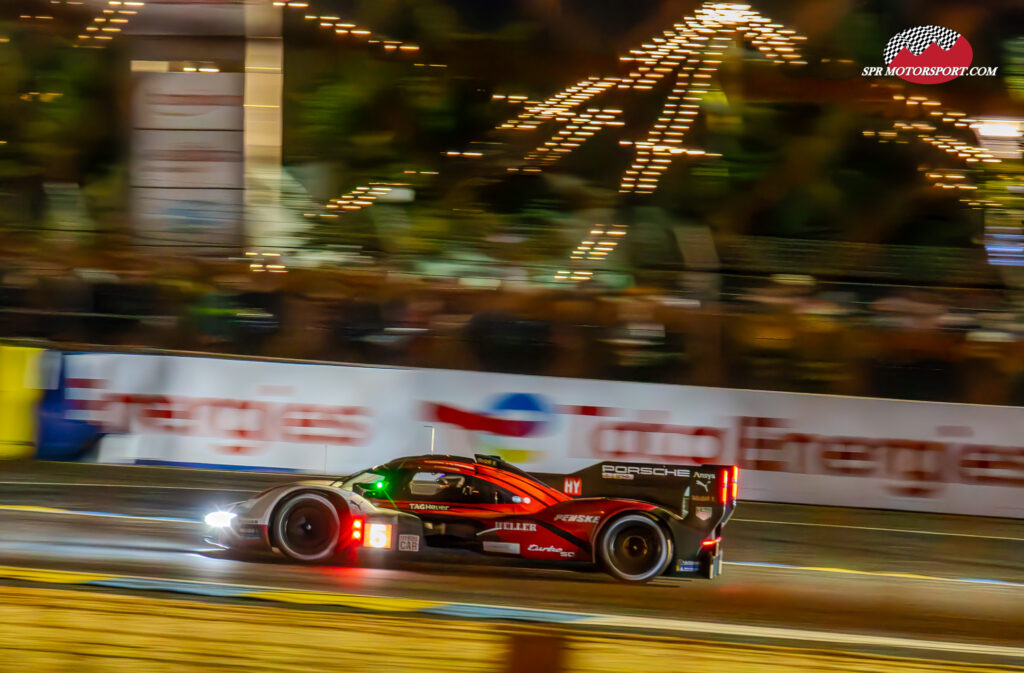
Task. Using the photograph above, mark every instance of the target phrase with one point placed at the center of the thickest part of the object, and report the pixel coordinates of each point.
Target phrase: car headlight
(219, 519)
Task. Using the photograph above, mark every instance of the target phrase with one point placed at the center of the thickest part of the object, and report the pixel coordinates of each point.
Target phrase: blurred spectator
(638, 346)
(783, 333)
(915, 359)
(505, 342)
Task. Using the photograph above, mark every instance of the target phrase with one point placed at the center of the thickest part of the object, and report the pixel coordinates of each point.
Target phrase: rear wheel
(634, 548)
(307, 527)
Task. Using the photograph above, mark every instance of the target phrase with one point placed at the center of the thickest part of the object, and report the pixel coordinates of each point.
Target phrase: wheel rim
(309, 528)
(636, 548)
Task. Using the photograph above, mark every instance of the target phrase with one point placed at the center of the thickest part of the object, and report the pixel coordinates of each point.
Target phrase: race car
(635, 521)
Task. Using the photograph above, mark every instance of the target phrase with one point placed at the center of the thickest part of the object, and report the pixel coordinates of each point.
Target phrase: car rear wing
(705, 492)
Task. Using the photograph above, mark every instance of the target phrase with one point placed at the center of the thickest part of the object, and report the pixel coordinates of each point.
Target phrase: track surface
(841, 570)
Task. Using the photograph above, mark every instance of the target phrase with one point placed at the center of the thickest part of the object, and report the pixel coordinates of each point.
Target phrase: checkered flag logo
(918, 39)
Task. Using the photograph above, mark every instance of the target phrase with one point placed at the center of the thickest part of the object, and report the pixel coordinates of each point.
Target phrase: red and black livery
(636, 521)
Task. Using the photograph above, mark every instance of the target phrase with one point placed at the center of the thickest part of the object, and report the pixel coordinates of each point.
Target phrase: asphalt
(935, 577)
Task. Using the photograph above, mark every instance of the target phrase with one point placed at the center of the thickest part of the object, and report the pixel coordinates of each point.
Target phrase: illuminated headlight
(219, 519)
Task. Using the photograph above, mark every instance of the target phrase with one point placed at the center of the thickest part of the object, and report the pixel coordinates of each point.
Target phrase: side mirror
(371, 488)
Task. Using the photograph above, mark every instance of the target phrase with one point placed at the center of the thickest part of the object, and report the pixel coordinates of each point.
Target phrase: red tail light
(724, 495)
(735, 481)
(710, 543)
(357, 530)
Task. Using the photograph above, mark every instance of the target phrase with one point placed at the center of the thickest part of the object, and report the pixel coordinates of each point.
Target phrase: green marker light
(379, 485)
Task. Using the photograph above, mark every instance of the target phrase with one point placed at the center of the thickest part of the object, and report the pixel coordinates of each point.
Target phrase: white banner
(188, 154)
(233, 412)
(169, 216)
(188, 101)
(815, 449)
(197, 159)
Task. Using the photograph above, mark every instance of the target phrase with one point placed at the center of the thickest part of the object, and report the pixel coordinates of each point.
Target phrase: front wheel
(307, 527)
(634, 548)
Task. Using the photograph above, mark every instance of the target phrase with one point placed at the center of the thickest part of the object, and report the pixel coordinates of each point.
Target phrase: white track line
(32, 509)
(878, 573)
(908, 531)
(150, 486)
(775, 633)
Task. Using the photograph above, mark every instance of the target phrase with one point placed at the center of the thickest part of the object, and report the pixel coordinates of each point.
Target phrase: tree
(57, 119)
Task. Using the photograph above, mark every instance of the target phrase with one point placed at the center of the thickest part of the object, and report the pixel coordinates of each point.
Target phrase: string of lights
(560, 104)
(683, 61)
(927, 120)
(691, 52)
(111, 20)
(265, 262)
(35, 17)
(925, 129)
(366, 195)
(918, 126)
(600, 242)
(357, 199)
(514, 99)
(578, 129)
(351, 30)
(114, 19)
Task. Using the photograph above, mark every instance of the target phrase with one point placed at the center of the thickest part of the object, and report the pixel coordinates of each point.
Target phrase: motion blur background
(637, 191)
(359, 181)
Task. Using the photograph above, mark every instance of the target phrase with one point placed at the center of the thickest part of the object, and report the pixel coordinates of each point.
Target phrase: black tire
(307, 528)
(634, 548)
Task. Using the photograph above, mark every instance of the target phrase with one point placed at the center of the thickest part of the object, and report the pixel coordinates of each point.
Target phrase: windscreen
(367, 477)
